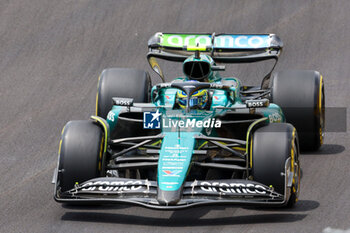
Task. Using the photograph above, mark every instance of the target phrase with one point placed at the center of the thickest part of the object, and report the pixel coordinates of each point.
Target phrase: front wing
(194, 193)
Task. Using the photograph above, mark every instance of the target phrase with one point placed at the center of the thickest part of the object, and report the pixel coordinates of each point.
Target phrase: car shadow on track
(300, 206)
(326, 149)
(181, 218)
(86, 207)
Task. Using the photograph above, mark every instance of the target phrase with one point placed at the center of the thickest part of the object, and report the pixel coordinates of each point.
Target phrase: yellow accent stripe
(292, 165)
(63, 130)
(248, 134)
(100, 155)
(153, 144)
(292, 151)
(194, 48)
(59, 147)
(251, 152)
(203, 144)
(96, 112)
(98, 86)
(320, 94)
(320, 107)
(101, 146)
(105, 129)
(239, 148)
(156, 143)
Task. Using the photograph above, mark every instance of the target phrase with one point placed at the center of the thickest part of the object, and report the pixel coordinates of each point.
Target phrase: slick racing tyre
(271, 147)
(80, 153)
(300, 94)
(121, 82)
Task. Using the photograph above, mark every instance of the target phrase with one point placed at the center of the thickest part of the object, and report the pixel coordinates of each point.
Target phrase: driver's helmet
(199, 99)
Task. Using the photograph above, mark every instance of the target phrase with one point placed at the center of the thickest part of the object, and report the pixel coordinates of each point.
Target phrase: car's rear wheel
(80, 153)
(121, 82)
(300, 94)
(271, 147)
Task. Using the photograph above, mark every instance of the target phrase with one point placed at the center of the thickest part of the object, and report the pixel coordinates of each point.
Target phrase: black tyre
(121, 82)
(300, 94)
(271, 146)
(80, 158)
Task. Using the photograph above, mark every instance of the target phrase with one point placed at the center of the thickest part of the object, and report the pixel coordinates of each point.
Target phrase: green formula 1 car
(201, 139)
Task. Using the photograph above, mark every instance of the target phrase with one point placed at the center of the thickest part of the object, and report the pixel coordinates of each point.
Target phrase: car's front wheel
(80, 153)
(273, 149)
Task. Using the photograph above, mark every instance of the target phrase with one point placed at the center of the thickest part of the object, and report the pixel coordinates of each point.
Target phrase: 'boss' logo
(123, 101)
(257, 103)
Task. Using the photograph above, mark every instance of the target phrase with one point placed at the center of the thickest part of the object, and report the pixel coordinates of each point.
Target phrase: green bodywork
(178, 143)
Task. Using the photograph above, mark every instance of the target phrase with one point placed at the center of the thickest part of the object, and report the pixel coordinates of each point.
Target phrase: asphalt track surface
(51, 53)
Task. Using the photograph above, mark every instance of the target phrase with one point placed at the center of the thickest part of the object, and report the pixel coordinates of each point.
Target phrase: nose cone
(169, 197)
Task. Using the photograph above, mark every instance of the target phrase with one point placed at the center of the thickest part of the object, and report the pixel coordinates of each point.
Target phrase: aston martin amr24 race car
(201, 139)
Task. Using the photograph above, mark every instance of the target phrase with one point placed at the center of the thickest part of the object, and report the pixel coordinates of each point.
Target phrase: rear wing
(225, 48)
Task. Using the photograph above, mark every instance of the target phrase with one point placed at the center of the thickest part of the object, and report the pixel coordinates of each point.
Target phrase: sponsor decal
(218, 187)
(257, 103)
(241, 41)
(112, 186)
(123, 101)
(169, 185)
(275, 117)
(151, 120)
(172, 172)
(111, 116)
(218, 100)
(222, 41)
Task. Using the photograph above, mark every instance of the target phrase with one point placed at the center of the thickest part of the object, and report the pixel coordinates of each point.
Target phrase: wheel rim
(321, 109)
(296, 168)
